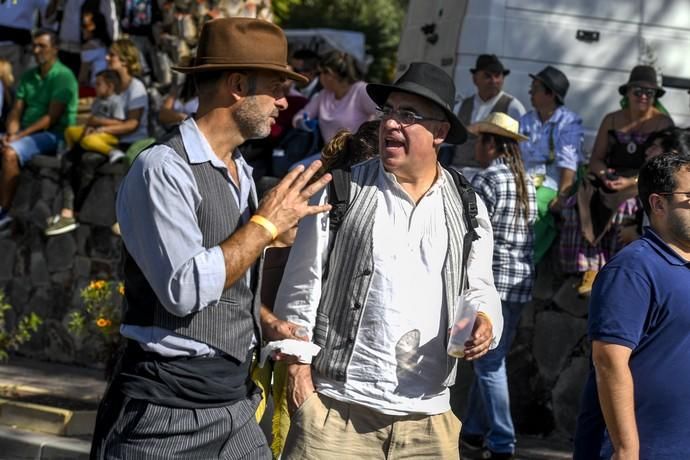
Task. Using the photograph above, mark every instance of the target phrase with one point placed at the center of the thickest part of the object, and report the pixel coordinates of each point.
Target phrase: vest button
(366, 272)
(357, 306)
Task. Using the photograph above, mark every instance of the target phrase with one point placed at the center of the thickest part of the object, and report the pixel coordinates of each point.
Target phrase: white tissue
(302, 350)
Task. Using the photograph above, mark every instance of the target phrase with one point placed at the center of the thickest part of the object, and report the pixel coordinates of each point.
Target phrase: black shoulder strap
(339, 199)
(470, 211)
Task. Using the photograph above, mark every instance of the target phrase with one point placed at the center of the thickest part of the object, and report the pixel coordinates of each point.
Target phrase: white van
(594, 42)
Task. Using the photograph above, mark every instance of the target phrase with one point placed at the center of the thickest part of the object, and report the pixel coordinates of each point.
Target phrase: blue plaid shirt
(513, 264)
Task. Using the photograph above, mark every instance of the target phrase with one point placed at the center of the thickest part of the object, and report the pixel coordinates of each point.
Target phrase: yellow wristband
(265, 223)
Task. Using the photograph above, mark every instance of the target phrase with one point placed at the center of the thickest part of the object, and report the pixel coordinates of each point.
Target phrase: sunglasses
(639, 91)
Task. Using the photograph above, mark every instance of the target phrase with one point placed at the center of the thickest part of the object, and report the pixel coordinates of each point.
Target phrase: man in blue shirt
(638, 323)
(552, 152)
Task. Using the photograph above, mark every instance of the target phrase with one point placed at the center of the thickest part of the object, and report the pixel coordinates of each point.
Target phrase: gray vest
(230, 324)
(351, 267)
(464, 154)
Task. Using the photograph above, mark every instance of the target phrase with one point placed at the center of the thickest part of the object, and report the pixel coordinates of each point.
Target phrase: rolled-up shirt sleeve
(299, 293)
(156, 210)
(569, 145)
(482, 291)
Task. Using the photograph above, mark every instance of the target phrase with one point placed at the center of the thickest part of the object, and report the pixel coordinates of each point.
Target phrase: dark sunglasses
(639, 91)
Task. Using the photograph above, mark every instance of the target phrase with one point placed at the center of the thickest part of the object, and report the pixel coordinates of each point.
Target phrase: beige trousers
(323, 429)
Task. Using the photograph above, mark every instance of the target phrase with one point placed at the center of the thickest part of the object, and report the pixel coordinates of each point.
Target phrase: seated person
(107, 106)
(178, 104)
(46, 103)
(94, 47)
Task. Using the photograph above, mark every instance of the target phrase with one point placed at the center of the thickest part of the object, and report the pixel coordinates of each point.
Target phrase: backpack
(339, 199)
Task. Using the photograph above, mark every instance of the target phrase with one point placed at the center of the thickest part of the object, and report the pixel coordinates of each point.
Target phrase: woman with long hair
(607, 199)
(509, 196)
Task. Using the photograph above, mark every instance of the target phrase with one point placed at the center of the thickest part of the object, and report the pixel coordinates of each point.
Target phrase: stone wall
(43, 274)
(547, 365)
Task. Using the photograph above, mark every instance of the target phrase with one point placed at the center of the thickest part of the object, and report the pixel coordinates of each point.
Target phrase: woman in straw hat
(596, 229)
(509, 196)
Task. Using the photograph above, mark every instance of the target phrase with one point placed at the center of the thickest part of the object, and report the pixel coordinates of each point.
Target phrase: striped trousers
(134, 429)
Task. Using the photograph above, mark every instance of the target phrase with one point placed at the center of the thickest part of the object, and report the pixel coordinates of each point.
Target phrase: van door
(431, 33)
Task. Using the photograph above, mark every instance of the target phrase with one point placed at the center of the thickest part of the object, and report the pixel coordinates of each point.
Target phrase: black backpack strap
(339, 199)
(470, 211)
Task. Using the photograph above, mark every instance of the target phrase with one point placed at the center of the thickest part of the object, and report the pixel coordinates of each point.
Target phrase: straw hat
(498, 123)
(241, 43)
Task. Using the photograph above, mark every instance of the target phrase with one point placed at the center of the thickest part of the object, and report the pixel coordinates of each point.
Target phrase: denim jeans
(488, 410)
(43, 143)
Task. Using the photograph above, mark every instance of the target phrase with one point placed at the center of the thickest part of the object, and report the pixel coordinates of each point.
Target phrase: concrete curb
(20, 445)
(46, 419)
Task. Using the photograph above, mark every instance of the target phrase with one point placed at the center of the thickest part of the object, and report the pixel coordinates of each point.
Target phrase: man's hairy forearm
(242, 249)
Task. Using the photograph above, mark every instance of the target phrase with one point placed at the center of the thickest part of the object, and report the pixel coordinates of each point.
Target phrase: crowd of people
(388, 244)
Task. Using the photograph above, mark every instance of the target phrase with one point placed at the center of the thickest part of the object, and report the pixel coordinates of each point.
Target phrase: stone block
(21, 205)
(20, 291)
(567, 394)
(60, 251)
(99, 206)
(39, 270)
(556, 335)
(81, 236)
(49, 189)
(82, 266)
(40, 213)
(45, 162)
(8, 250)
(529, 395)
(567, 299)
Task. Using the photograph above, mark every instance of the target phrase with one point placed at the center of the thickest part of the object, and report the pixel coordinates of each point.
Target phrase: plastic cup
(461, 331)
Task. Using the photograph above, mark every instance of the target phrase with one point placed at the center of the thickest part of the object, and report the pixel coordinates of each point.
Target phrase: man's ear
(441, 133)
(236, 84)
(657, 204)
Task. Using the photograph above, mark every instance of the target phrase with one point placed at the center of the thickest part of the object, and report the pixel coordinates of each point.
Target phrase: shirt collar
(199, 150)
(664, 249)
(393, 181)
(491, 101)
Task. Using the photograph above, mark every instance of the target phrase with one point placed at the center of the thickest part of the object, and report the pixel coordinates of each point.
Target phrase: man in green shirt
(45, 105)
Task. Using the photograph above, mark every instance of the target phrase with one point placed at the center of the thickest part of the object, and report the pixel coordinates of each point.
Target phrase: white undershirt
(399, 359)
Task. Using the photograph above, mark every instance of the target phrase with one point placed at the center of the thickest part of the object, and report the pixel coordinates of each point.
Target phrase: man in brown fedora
(193, 230)
(383, 308)
(488, 75)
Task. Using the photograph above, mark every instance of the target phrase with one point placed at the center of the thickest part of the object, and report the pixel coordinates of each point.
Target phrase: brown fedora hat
(241, 43)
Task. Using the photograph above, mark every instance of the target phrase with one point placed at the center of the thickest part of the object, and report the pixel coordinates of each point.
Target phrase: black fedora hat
(490, 63)
(430, 82)
(555, 80)
(642, 74)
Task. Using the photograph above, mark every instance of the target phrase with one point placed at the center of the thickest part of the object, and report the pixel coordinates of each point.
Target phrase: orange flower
(121, 288)
(102, 322)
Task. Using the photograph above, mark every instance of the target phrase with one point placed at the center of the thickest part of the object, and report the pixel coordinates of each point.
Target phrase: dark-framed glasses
(686, 195)
(405, 117)
(639, 91)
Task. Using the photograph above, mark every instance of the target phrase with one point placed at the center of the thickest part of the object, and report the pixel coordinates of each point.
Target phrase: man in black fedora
(193, 231)
(552, 153)
(488, 75)
(383, 311)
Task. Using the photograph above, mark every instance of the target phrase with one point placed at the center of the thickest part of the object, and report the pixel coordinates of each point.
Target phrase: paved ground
(38, 396)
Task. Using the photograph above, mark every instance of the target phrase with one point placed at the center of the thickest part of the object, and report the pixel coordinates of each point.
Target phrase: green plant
(21, 333)
(101, 313)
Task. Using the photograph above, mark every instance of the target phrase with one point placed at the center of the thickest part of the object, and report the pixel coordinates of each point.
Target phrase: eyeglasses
(685, 194)
(405, 117)
(639, 91)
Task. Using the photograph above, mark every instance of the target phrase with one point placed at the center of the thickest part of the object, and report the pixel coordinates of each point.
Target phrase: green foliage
(101, 313)
(379, 20)
(26, 326)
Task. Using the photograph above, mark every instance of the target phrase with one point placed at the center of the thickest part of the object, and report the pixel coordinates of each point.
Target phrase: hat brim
(484, 127)
(215, 67)
(623, 89)
(551, 88)
(457, 134)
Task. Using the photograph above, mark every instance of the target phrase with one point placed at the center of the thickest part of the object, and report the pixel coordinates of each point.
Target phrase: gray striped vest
(230, 324)
(351, 266)
(464, 153)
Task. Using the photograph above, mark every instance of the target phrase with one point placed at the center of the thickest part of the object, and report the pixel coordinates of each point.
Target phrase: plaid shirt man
(513, 264)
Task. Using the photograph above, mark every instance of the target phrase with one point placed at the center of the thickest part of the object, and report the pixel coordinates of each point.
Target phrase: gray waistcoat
(230, 324)
(351, 267)
(464, 154)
